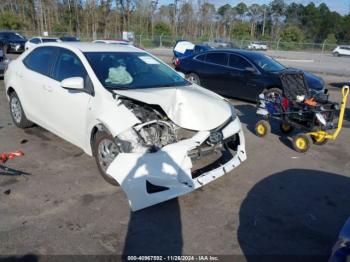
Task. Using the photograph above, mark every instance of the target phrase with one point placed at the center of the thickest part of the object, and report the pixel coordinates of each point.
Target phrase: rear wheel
(194, 78)
(286, 128)
(105, 151)
(302, 142)
(262, 128)
(18, 116)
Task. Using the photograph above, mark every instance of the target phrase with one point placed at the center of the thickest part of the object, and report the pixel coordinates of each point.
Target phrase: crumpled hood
(190, 107)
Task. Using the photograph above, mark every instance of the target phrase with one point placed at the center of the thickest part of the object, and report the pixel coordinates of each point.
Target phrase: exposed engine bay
(155, 131)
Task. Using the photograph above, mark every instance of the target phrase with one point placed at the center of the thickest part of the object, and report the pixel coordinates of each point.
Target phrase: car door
(33, 76)
(242, 78)
(213, 70)
(68, 109)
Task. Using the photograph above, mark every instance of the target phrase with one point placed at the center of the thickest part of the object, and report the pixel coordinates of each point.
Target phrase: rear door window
(200, 57)
(217, 58)
(238, 62)
(40, 60)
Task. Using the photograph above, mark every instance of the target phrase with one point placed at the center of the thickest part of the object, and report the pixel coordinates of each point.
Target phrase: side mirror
(73, 83)
(250, 70)
(181, 74)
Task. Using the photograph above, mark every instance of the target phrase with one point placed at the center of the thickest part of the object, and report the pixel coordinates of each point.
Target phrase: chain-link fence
(168, 41)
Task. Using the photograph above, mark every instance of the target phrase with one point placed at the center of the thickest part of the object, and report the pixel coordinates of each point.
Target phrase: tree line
(198, 19)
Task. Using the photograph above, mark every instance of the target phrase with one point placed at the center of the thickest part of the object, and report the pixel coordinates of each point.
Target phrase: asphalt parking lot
(53, 201)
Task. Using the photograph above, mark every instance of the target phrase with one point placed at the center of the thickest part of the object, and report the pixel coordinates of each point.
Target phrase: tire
(272, 93)
(102, 144)
(194, 78)
(302, 142)
(319, 141)
(336, 54)
(286, 128)
(18, 116)
(262, 128)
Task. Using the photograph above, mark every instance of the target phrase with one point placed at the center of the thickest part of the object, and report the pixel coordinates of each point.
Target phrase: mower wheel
(262, 128)
(286, 128)
(302, 142)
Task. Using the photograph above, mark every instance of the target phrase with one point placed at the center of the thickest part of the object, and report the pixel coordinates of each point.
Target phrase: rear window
(40, 60)
(200, 57)
(217, 58)
(47, 40)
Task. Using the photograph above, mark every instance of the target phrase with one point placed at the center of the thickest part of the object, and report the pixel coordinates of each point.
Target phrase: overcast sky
(341, 6)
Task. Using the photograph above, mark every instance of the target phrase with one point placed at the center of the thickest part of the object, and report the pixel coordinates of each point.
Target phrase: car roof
(45, 37)
(94, 47)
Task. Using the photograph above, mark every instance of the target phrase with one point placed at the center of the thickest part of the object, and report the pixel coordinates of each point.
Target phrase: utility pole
(263, 29)
(154, 4)
(175, 16)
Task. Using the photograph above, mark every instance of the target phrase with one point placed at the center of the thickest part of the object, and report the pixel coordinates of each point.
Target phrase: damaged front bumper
(151, 178)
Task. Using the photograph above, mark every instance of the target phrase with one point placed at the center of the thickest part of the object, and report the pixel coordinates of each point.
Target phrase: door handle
(47, 88)
(19, 74)
(235, 74)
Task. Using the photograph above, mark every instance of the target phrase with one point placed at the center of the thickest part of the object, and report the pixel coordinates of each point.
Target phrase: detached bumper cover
(151, 178)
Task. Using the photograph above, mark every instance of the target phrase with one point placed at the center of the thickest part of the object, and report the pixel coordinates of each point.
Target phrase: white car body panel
(182, 46)
(188, 107)
(169, 167)
(73, 115)
(342, 50)
(257, 46)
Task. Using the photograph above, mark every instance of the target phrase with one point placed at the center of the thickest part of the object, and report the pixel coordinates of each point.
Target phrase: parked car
(343, 50)
(146, 126)
(3, 62)
(115, 42)
(12, 42)
(34, 41)
(238, 73)
(69, 39)
(257, 46)
(184, 48)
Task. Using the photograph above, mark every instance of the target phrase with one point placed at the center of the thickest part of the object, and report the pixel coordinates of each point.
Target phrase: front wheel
(336, 54)
(302, 142)
(18, 116)
(105, 151)
(194, 78)
(262, 128)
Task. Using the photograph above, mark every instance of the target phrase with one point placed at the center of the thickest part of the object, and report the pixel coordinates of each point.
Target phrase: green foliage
(59, 28)
(161, 28)
(10, 21)
(240, 30)
(292, 34)
(331, 39)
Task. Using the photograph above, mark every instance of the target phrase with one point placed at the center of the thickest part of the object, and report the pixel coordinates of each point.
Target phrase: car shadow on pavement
(25, 258)
(339, 84)
(155, 230)
(247, 115)
(296, 212)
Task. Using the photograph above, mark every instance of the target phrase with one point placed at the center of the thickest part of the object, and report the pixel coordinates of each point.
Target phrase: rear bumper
(151, 178)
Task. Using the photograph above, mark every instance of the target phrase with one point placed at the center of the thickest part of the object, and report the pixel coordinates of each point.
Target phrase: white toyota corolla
(151, 131)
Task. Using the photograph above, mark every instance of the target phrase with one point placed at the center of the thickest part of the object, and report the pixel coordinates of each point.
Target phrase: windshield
(47, 40)
(131, 70)
(14, 36)
(267, 63)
